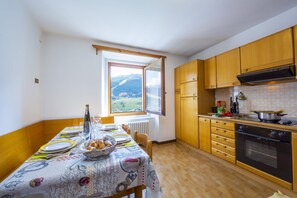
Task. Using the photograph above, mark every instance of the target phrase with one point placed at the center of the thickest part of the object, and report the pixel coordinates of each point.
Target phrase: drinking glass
(86, 131)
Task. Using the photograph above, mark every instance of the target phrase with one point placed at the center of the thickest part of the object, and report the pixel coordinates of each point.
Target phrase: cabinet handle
(225, 139)
(193, 78)
(194, 94)
(225, 131)
(225, 147)
(217, 129)
(225, 154)
(225, 123)
(205, 120)
(217, 122)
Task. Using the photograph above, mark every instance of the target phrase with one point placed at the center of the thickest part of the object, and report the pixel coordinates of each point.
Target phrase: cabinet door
(271, 51)
(177, 116)
(204, 134)
(210, 73)
(177, 79)
(295, 43)
(188, 72)
(189, 120)
(228, 67)
(188, 89)
(177, 102)
(294, 159)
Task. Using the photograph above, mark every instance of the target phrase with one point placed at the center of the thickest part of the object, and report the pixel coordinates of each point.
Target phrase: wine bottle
(237, 106)
(87, 121)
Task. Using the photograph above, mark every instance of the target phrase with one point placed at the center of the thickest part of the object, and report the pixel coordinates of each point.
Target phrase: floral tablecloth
(73, 176)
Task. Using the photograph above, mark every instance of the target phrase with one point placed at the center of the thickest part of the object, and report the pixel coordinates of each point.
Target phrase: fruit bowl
(97, 149)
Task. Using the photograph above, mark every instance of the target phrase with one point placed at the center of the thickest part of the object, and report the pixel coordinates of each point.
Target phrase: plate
(121, 138)
(72, 130)
(57, 146)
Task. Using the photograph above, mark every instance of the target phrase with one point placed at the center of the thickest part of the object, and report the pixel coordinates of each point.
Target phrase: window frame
(115, 64)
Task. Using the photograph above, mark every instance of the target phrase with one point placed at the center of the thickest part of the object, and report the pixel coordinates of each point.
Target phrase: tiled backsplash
(263, 97)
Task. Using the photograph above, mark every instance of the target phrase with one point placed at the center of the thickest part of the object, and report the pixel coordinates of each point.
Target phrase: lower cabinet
(294, 159)
(204, 134)
(189, 120)
(223, 140)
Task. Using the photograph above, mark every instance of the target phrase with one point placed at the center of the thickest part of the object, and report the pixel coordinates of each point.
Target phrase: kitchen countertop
(240, 120)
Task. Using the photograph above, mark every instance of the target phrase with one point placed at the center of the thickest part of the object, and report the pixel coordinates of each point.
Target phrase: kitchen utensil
(270, 116)
(241, 96)
(214, 109)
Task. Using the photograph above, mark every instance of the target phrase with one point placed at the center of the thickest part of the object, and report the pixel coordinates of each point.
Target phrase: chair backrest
(107, 120)
(144, 142)
(126, 128)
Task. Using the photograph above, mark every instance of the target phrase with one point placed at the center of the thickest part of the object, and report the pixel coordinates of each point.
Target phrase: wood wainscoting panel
(35, 136)
(53, 127)
(14, 150)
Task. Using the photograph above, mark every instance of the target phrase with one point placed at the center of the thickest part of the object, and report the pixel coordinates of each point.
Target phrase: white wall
(282, 21)
(20, 98)
(71, 76)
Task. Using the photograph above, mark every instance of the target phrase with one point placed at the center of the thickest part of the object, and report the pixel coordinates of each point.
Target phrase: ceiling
(182, 27)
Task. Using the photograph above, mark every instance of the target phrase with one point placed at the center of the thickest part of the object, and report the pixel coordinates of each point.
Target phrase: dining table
(70, 174)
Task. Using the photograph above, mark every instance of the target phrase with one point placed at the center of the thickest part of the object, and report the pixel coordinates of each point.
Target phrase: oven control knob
(281, 134)
(273, 134)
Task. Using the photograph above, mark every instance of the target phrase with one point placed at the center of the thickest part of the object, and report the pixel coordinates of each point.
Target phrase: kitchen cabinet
(188, 71)
(295, 43)
(189, 120)
(228, 67)
(271, 51)
(223, 140)
(190, 99)
(204, 134)
(188, 89)
(294, 159)
(210, 73)
(177, 102)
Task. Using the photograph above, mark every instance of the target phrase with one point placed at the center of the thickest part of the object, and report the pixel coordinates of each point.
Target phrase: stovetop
(283, 121)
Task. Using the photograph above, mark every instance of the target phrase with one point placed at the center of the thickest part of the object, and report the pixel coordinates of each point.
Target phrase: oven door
(271, 156)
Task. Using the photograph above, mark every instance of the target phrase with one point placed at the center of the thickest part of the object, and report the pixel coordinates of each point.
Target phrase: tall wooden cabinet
(228, 67)
(210, 73)
(295, 43)
(177, 102)
(268, 52)
(204, 134)
(191, 98)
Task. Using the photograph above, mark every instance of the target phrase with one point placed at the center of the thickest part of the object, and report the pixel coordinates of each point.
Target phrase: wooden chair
(144, 142)
(126, 128)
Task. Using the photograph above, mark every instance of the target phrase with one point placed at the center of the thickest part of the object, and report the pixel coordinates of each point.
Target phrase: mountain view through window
(126, 89)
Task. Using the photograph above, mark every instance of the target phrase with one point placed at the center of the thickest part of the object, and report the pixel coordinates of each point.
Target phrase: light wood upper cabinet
(210, 73)
(188, 72)
(189, 120)
(228, 67)
(271, 51)
(204, 134)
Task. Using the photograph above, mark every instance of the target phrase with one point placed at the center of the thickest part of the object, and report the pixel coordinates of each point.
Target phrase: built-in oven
(265, 149)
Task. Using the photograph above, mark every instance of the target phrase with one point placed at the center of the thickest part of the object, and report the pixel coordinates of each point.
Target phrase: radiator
(140, 126)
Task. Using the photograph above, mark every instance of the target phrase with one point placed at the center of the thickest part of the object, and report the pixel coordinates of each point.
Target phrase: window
(125, 89)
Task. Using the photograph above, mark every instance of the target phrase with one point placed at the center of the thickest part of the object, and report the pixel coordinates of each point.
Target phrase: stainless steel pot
(269, 116)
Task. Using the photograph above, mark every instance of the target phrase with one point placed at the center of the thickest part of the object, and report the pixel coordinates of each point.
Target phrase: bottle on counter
(87, 122)
(231, 105)
(237, 106)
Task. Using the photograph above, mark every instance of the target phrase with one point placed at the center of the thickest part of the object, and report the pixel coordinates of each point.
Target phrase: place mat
(57, 146)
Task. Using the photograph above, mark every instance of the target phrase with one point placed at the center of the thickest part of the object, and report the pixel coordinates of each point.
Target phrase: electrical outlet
(36, 80)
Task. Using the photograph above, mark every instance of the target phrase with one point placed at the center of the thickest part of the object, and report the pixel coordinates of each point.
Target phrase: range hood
(281, 73)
